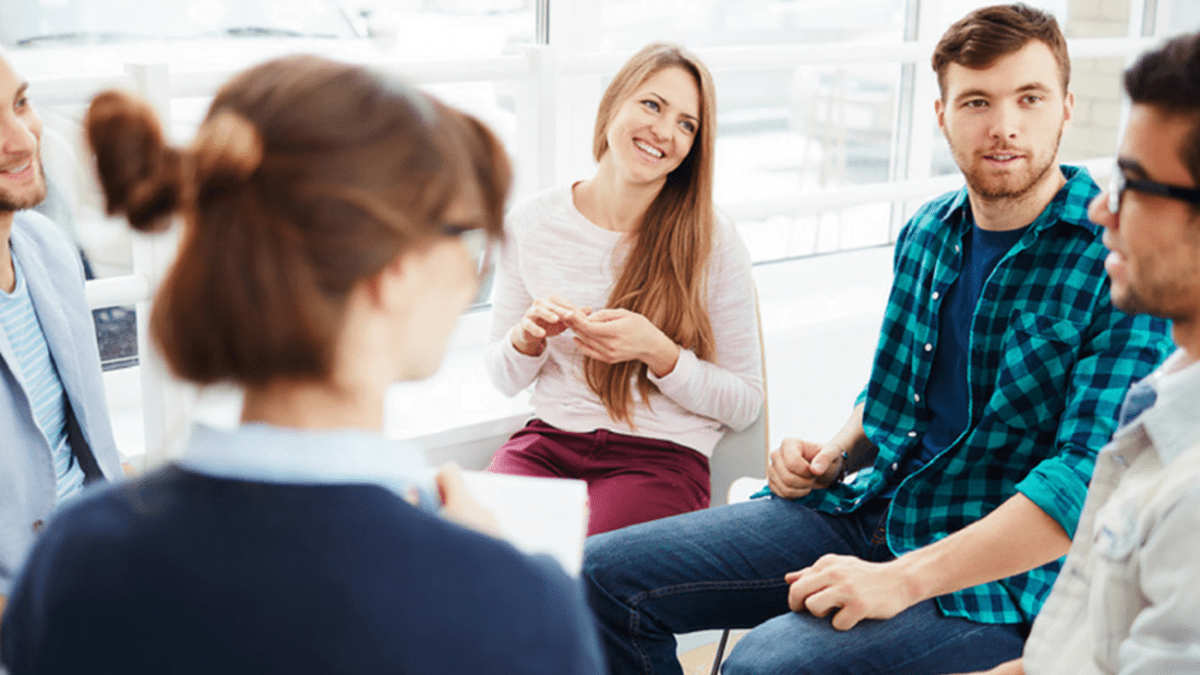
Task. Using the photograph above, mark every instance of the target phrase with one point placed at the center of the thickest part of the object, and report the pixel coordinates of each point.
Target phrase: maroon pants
(630, 479)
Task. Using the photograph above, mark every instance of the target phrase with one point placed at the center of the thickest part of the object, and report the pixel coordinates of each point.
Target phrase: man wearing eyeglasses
(1128, 598)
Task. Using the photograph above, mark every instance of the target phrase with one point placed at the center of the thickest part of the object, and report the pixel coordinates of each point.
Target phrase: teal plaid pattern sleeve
(1050, 361)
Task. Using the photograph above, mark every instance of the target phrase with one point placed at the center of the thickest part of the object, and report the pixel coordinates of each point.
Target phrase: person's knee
(621, 564)
(601, 561)
(791, 644)
(608, 581)
(755, 654)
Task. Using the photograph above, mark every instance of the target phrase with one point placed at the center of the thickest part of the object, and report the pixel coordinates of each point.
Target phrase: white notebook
(537, 515)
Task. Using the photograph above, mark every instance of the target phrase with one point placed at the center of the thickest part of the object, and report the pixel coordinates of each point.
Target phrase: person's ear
(388, 286)
(939, 110)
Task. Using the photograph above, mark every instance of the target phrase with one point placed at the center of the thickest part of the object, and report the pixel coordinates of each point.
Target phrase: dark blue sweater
(183, 573)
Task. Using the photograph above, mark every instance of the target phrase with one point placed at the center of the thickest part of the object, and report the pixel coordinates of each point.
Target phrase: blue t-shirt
(946, 392)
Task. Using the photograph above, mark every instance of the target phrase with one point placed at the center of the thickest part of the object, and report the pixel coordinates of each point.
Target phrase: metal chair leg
(720, 652)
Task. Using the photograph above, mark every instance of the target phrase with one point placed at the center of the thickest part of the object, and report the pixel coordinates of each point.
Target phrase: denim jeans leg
(918, 641)
(716, 568)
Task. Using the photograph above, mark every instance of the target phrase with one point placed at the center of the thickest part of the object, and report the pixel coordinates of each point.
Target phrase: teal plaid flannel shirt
(1050, 361)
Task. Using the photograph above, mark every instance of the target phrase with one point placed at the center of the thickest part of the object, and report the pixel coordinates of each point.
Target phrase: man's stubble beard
(979, 185)
(10, 203)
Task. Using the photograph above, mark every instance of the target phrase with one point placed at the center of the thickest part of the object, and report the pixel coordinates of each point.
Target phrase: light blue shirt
(271, 454)
(19, 319)
(53, 277)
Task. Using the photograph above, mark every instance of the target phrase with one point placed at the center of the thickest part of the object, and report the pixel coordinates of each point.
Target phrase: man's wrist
(909, 570)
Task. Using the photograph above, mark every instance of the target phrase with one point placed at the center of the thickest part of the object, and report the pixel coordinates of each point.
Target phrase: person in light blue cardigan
(55, 433)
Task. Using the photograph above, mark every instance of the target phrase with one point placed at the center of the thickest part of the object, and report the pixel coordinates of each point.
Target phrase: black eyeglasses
(1120, 183)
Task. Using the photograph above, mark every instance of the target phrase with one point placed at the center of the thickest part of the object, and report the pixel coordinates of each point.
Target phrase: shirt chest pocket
(1037, 357)
(1115, 597)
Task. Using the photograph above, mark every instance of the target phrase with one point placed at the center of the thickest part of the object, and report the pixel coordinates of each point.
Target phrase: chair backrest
(742, 453)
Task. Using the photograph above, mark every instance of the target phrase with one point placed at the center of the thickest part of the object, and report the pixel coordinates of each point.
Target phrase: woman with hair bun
(636, 396)
(328, 213)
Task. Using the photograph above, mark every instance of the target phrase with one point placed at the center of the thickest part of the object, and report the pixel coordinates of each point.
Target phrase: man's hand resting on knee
(1016, 537)
(857, 589)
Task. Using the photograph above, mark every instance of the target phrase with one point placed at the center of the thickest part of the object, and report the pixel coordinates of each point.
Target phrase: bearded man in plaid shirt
(1000, 370)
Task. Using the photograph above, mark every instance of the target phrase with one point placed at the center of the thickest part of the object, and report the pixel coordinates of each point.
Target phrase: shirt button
(936, 295)
(917, 398)
(957, 248)
(912, 434)
(895, 466)
(38, 526)
(928, 347)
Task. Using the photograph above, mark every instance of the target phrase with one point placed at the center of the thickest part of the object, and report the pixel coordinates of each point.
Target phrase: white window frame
(545, 114)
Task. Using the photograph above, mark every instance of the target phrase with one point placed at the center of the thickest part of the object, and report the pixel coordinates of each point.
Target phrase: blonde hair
(665, 271)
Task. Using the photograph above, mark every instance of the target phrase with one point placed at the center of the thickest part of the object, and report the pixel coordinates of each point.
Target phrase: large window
(827, 139)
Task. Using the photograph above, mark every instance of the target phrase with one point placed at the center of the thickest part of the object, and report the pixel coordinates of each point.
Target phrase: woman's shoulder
(724, 229)
(728, 246)
(554, 202)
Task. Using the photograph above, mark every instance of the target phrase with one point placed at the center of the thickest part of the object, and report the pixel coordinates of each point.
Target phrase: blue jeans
(724, 568)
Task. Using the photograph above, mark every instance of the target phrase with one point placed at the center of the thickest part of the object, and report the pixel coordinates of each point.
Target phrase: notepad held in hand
(537, 515)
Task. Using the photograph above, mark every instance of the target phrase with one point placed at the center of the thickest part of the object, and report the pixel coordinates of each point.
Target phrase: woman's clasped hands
(545, 318)
(618, 335)
(608, 335)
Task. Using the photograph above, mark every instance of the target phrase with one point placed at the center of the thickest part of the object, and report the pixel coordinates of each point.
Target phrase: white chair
(737, 456)
(696, 661)
(742, 453)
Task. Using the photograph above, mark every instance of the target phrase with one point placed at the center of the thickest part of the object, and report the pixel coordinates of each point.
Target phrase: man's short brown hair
(988, 33)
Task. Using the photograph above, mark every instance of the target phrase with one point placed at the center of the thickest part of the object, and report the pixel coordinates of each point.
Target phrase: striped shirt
(43, 388)
(1049, 362)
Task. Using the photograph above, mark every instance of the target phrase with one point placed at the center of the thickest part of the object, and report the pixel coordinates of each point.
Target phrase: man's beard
(1165, 285)
(982, 187)
(10, 202)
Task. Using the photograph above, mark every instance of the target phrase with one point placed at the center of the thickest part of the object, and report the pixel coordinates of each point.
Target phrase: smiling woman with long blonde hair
(631, 305)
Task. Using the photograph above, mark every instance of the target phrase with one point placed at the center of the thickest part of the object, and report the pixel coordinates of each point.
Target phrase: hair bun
(140, 174)
(227, 149)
